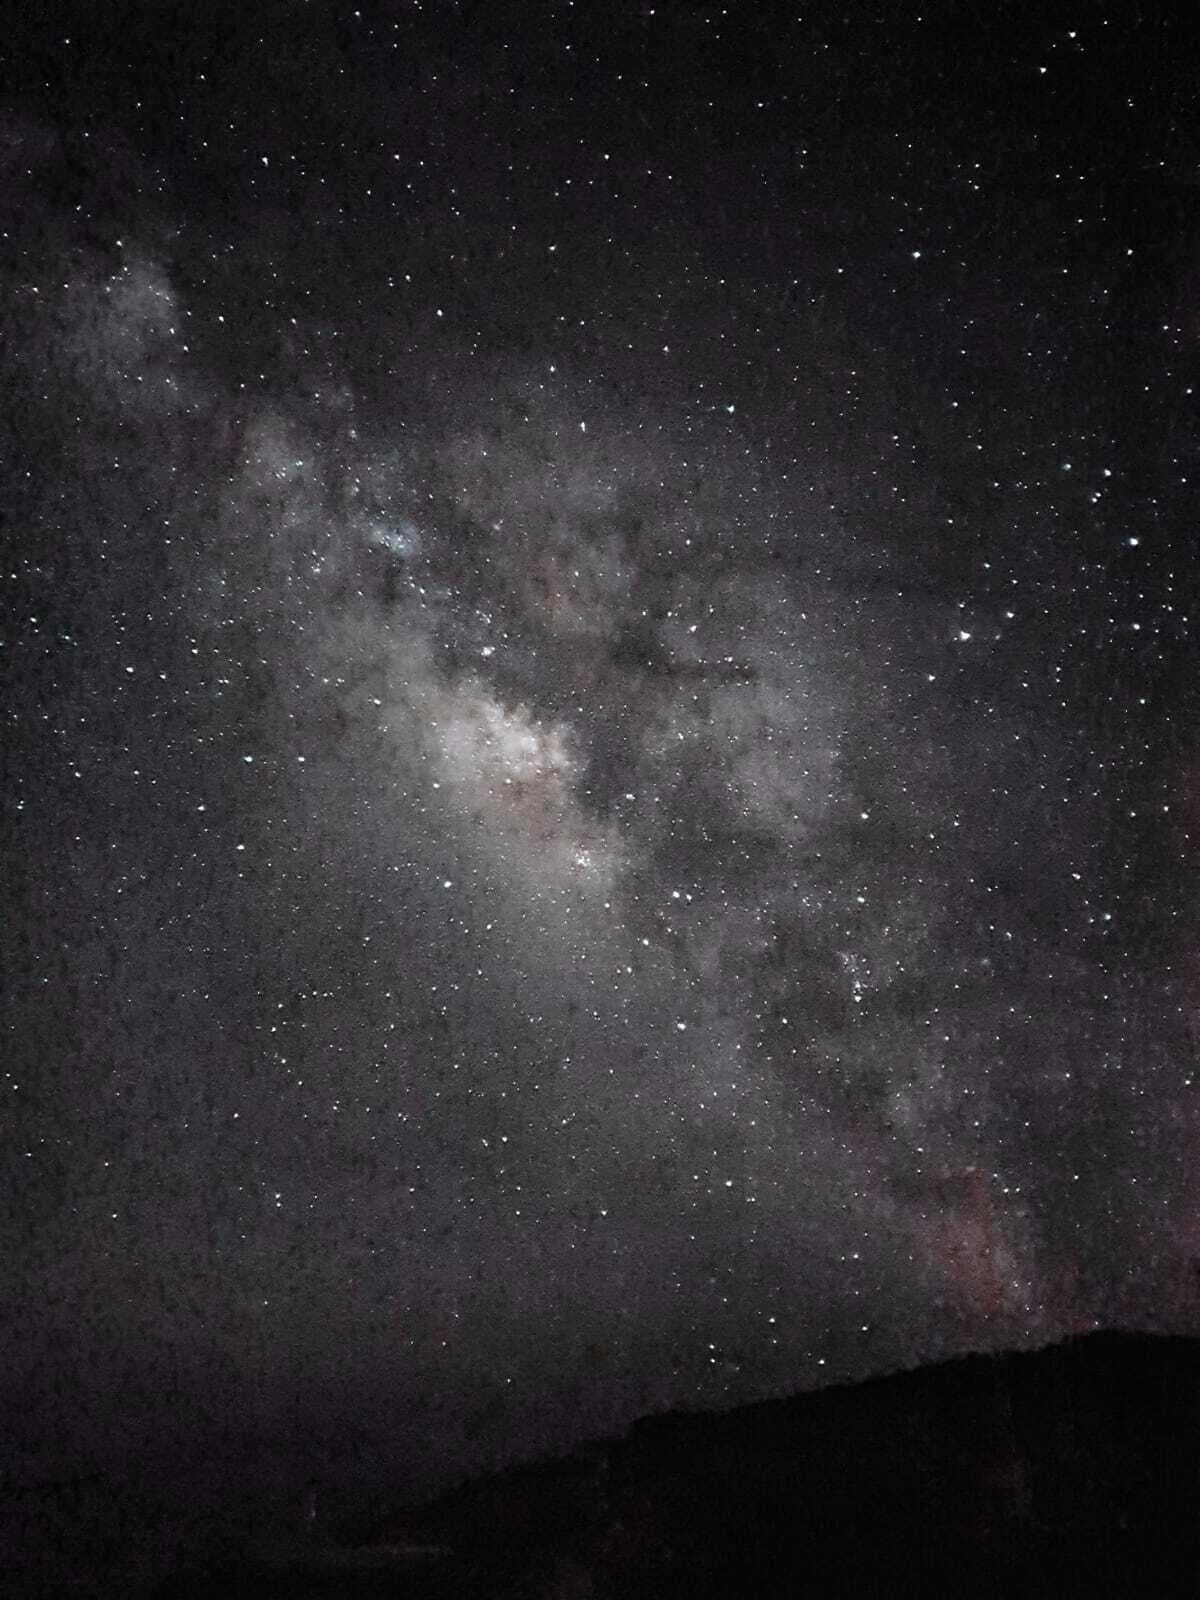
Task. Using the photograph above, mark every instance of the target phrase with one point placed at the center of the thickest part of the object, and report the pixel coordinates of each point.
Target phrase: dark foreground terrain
(1073, 1470)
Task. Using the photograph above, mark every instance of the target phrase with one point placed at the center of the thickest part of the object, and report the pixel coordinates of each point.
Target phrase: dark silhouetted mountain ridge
(1069, 1470)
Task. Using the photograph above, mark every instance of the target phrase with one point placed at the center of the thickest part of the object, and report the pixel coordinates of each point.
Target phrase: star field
(601, 775)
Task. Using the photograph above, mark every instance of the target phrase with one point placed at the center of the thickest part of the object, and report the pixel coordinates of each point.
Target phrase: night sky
(602, 760)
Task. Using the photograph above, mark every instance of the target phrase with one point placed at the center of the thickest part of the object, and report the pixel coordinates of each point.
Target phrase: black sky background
(601, 776)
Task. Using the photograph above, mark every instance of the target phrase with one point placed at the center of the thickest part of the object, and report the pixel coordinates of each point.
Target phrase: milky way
(570, 874)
